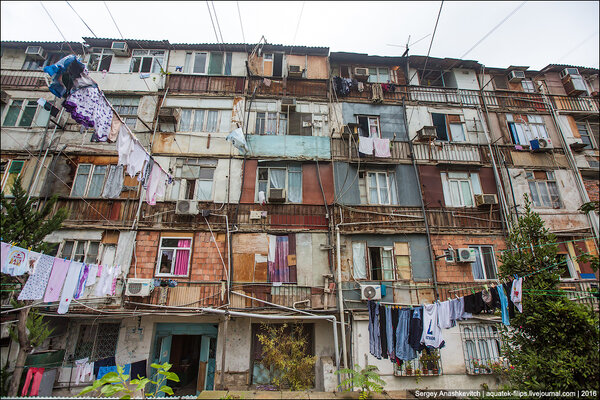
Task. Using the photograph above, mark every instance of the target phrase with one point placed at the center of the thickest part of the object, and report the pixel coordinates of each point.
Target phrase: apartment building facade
(400, 176)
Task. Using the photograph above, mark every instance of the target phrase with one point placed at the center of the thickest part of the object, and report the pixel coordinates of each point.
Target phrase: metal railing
(23, 78)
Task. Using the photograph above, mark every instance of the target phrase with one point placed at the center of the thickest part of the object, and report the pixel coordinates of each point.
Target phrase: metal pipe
(41, 166)
(340, 295)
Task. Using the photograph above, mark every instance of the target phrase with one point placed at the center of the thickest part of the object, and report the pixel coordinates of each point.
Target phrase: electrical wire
(113, 20)
(432, 37)
(87, 26)
(212, 22)
(217, 20)
(59, 31)
(241, 25)
(297, 26)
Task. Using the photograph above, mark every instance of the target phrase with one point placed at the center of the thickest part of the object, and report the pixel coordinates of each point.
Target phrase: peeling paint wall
(391, 118)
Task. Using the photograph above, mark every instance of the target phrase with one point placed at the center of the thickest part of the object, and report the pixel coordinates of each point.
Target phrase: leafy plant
(115, 383)
(284, 353)
(364, 378)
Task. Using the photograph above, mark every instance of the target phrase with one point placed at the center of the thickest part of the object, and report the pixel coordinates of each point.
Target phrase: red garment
(37, 374)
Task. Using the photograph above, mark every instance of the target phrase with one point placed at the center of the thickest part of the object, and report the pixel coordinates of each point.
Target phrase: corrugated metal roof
(444, 63)
(342, 56)
(132, 43)
(77, 46)
(560, 67)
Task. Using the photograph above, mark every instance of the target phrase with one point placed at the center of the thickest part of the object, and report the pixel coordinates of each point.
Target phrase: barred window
(97, 341)
(424, 365)
(482, 348)
(127, 108)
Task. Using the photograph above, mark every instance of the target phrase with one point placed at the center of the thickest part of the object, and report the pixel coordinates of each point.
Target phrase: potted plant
(408, 369)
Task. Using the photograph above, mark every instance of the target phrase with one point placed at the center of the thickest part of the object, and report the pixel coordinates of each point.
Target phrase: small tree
(26, 228)
(553, 344)
(285, 353)
(366, 379)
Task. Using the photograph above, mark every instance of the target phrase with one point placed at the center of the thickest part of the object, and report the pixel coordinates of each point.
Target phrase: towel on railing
(382, 147)
(365, 145)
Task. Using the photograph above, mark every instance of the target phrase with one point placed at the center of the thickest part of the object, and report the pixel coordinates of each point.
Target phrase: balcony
(287, 295)
(283, 217)
(437, 152)
(115, 213)
(508, 99)
(290, 146)
(185, 294)
(390, 219)
(15, 78)
(428, 94)
(575, 104)
(290, 87)
(397, 95)
(226, 85)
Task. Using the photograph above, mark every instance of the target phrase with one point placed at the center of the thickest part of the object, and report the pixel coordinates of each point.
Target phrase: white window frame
(390, 178)
(279, 117)
(449, 196)
(475, 340)
(179, 188)
(101, 53)
(155, 66)
(545, 183)
(76, 243)
(51, 58)
(190, 62)
(528, 86)
(26, 103)
(382, 250)
(121, 102)
(89, 180)
(192, 122)
(161, 248)
(378, 76)
(268, 182)
(372, 121)
(585, 127)
(479, 254)
(570, 267)
(6, 174)
(534, 128)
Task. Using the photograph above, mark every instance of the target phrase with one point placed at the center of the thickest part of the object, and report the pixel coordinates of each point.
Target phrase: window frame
(295, 169)
(591, 140)
(532, 128)
(73, 252)
(157, 272)
(537, 200)
(205, 120)
(449, 121)
(180, 188)
(89, 180)
(378, 76)
(570, 267)
(390, 178)
(147, 54)
(482, 261)
(372, 121)
(369, 262)
(528, 86)
(102, 53)
(478, 334)
(99, 333)
(6, 174)
(262, 130)
(25, 104)
(448, 192)
(130, 102)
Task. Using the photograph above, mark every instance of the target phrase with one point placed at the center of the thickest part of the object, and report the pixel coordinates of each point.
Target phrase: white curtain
(359, 264)
(277, 178)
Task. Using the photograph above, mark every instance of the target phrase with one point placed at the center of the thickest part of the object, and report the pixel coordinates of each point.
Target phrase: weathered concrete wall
(312, 261)
(298, 147)
(391, 118)
(238, 61)
(419, 116)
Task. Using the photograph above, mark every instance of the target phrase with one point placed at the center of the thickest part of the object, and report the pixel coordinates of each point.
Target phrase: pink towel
(57, 278)
(382, 147)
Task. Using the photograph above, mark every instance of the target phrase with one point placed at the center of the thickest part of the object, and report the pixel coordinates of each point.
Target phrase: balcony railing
(206, 84)
(444, 95)
(575, 104)
(288, 295)
(186, 294)
(281, 216)
(22, 79)
(513, 99)
(339, 150)
(290, 87)
(114, 212)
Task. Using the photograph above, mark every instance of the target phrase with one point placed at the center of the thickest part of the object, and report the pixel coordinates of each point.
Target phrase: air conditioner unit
(465, 255)
(485, 199)
(370, 292)
(120, 49)
(361, 74)
(138, 287)
(450, 257)
(541, 144)
(288, 104)
(186, 207)
(36, 51)
(574, 85)
(568, 71)
(169, 115)
(276, 195)
(516, 76)
(295, 70)
(427, 133)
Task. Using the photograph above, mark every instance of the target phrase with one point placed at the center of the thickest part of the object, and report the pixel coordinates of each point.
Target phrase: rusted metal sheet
(22, 79)
(205, 84)
(433, 193)
(243, 267)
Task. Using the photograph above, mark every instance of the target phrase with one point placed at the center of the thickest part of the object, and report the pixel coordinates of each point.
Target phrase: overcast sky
(537, 34)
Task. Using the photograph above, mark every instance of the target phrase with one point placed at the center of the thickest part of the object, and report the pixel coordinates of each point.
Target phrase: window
(527, 86)
(378, 75)
(174, 256)
(566, 267)
(127, 108)
(381, 187)
(402, 255)
(100, 60)
(381, 265)
(25, 113)
(428, 364)
(271, 123)
(380, 261)
(584, 133)
(10, 172)
(147, 61)
(218, 63)
(459, 188)
(524, 128)
(89, 180)
(196, 179)
(484, 266)
(482, 348)
(35, 64)
(448, 127)
(199, 120)
(80, 250)
(543, 188)
(97, 341)
(369, 126)
(289, 178)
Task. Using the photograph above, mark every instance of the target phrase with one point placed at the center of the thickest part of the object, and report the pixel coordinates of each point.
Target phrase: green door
(163, 357)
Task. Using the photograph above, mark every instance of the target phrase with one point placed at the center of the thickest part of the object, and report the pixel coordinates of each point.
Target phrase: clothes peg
(486, 287)
(472, 290)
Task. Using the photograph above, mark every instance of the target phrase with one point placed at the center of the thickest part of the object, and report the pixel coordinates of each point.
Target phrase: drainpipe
(422, 202)
(340, 294)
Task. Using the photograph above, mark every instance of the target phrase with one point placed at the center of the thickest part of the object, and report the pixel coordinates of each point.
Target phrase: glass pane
(489, 263)
(79, 251)
(206, 173)
(282, 124)
(466, 193)
(13, 113)
(81, 180)
(372, 180)
(67, 249)
(135, 64)
(105, 64)
(92, 253)
(185, 121)
(544, 195)
(386, 263)
(263, 174)
(484, 352)
(228, 63)
(295, 187)
(454, 193)
(198, 120)
(260, 123)
(271, 128)
(170, 242)
(535, 198)
(166, 261)
(383, 189)
(204, 190)
(187, 66)
(457, 132)
(93, 62)
(97, 183)
(199, 63)
(157, 65)
(216, 63)
(393, 190)
(476, 267)
(554, 197)
(146, 64)
(277, 178)
(28, 114)
(212, 121)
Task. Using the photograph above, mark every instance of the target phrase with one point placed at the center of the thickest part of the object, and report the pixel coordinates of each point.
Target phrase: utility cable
(241, 25)
(87, 26)
(113, 20)
(212, 22)
(217, 20)
(297, 26)
(59, 31)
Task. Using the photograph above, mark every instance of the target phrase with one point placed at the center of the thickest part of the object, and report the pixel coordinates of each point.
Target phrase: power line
(578, 46)
(217, 20)
(241, 26)
(297, 26)
(90, 29)
(59, 31)
(113, 20)
(431, 41)
(212, 22)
